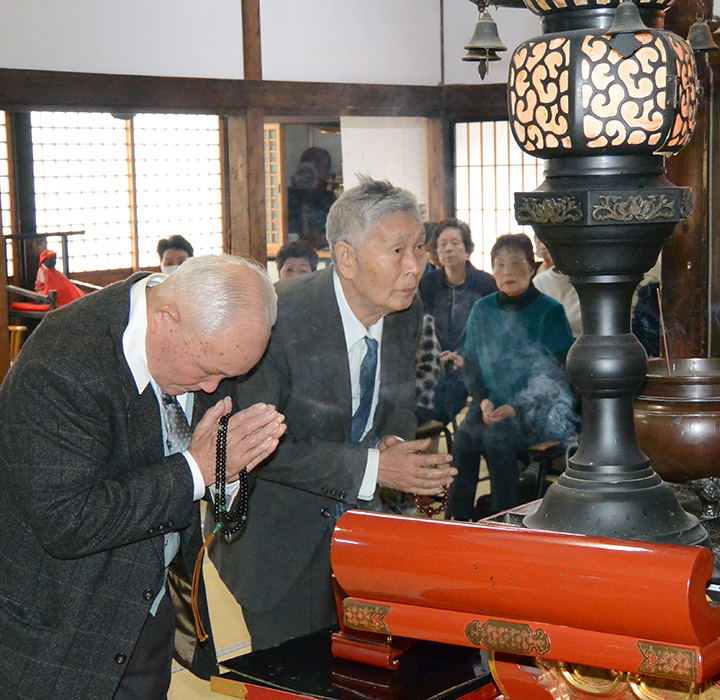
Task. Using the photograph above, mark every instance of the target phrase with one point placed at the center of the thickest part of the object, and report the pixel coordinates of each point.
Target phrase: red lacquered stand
(563, 616)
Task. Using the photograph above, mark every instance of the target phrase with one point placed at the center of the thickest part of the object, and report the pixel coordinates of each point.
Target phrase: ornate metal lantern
(604, 95)
(643, 102)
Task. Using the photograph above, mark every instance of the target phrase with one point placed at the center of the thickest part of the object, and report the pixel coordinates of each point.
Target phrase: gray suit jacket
(86, 497)
(305, 374)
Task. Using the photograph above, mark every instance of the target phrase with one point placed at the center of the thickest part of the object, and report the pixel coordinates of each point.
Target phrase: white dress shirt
(135, 355)
(355, 333)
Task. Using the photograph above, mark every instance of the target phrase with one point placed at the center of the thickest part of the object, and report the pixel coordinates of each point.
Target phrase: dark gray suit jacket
(305, 374)
(85, 499)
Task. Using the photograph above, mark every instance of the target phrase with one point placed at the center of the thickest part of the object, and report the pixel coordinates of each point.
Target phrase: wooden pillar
(438, 148)
(686, 257)
(26, 253)
(714, 202)
(244, 159)
(4, 332)
(252, 55)
(245, 167)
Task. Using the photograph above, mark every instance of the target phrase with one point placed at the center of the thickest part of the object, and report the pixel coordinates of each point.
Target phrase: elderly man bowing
(341, 367)
(101, 477)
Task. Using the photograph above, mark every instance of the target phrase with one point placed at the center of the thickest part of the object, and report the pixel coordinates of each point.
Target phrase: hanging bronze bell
(700, 37)
(484, 44)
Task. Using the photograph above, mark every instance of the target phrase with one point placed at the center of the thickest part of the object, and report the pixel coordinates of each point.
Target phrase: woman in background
(448, 294)
(173, 252)
(296, 258)
(512, 357)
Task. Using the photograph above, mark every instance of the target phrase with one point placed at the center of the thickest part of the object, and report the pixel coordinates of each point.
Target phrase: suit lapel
(143, 412)
(388, 360)
(331, 362)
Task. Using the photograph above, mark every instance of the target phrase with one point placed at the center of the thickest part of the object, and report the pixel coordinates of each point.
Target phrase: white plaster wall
(392, 148)
(137, 37)
(352, 41)
(514, 26)
(345, 41)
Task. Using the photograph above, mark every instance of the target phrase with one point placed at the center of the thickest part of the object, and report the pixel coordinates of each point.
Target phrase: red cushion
(28, 306)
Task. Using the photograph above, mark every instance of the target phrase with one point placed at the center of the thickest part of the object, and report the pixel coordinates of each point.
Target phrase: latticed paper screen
(5, 193)
(489, 168)
(126, 183)
(273, 187)
(177, 173)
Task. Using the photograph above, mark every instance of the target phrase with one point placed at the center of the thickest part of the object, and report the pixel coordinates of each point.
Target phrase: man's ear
(165, 313)
(345, 260)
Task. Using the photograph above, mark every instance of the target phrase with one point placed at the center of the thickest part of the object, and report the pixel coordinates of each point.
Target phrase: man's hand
(495, 415)
(406, 466)
(253, 435)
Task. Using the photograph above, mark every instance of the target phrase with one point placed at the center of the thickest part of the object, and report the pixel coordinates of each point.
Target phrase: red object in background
(48, 278)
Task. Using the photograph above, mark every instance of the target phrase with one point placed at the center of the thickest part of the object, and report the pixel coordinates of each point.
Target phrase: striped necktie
(368, 369)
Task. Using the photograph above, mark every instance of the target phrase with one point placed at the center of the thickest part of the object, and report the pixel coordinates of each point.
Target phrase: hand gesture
(406, 466)
(253, 435)
(455, 357)
(492, 415)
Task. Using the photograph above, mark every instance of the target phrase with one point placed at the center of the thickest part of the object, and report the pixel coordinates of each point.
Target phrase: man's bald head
(216, 289)
(211, 319)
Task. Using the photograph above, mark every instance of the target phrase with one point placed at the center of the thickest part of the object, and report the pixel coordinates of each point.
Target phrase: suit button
(342, 494)
(151, 531)
(148, 594)
(170, 524)
(120, 659)
(323, 489)
(334, 492)
(161, 528)
(325, 512)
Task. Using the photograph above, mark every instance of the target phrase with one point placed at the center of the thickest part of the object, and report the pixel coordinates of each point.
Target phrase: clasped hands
(490, 414)
(253, 435)
(406, 466)
(493, 415)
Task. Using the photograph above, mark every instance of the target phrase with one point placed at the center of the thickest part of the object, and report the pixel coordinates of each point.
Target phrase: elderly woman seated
(448, 294)
(512, 357)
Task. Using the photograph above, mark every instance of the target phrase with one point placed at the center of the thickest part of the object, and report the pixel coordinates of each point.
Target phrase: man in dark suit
(99, 516)
(341, 366)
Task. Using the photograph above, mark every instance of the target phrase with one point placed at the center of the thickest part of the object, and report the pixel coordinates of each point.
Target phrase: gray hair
(353, 214)
(212, 288)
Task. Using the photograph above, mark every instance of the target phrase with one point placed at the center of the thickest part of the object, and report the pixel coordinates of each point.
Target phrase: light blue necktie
(367, 389)
(176, 438)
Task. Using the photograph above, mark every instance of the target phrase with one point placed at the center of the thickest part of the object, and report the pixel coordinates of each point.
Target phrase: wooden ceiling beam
(24, 90)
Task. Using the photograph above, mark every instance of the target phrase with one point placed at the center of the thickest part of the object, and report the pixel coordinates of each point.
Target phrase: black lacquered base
(305, 668)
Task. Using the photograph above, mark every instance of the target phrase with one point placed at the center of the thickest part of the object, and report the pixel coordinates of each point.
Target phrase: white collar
(133, 339)
(352, 326)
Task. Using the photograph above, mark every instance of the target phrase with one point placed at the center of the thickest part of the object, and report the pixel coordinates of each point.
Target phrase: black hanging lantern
(485, 41)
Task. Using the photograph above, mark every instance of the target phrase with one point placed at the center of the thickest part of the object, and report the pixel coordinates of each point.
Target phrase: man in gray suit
(99, 515)
(341, 366)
